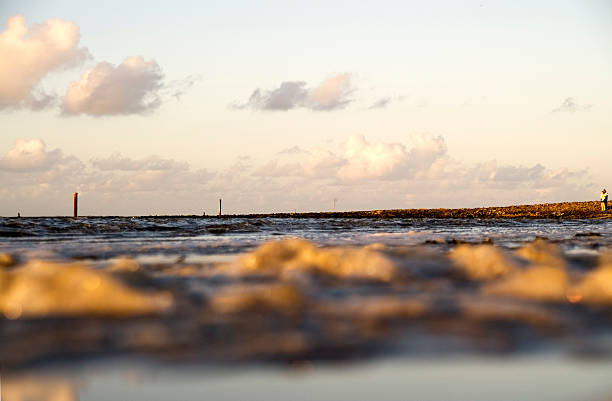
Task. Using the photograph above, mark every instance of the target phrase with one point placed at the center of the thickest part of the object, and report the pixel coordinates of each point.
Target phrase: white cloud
(569, 105)
(322, 163)
(331, 94)
(30, 155)
(362, 175)
(365, 160)
(426, 158)
(361, 160)
(129, 88)
(27, 55)
(379, 174)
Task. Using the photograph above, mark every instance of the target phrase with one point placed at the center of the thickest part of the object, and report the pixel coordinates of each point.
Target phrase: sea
(222, 308)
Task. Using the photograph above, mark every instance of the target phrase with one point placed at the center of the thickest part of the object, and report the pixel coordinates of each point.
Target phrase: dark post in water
(76, 203)
(219, 207)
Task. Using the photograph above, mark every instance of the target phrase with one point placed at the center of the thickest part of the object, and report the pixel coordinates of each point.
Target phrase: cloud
(274, 169)
(179, 87)
(508, 177)
(151, 174)
(152, 181)
(288, 96)
(362, 163)
(392, 161)
(361, 160)
(426, 158)
(29, 155)
(371, 175)
(331, 94)
(381, 103)
(116, 162)
(385, 101)
(40, 100)
(294, 150)
(129, 88)
(362, 174)
(570, 106)
(27, 55)
(518, 174)
(322, 163)
(365, 160)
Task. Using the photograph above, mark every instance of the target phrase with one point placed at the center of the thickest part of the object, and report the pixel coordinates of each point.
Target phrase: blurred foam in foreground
(40, 289)
(292, 299)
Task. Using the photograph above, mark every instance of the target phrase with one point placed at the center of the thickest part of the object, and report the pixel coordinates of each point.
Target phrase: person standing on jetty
(604, 200)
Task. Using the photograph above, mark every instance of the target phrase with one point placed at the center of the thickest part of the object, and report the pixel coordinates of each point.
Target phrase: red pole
(76, 203)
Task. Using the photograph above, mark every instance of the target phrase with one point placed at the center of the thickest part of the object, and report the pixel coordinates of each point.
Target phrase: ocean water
(145, 308)
(107, 237)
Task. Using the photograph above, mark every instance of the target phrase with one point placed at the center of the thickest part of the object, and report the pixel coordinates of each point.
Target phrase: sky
(153, 107)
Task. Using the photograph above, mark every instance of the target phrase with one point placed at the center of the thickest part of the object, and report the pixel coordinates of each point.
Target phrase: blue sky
(480, 103)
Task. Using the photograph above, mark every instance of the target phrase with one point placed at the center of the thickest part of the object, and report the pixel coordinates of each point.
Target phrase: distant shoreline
(562, 210)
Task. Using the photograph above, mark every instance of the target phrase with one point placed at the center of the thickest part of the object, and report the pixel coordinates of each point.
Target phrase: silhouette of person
(604, 200)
